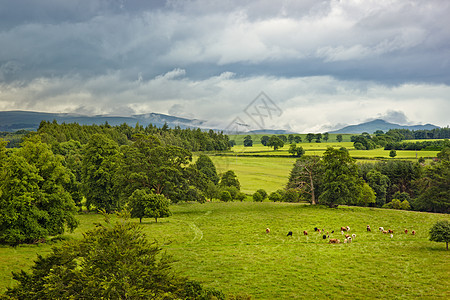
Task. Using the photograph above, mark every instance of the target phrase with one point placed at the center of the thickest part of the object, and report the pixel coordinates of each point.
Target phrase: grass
(268, 173)
(224, 245)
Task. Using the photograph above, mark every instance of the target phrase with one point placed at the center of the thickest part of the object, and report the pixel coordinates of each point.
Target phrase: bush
(257, 197)
(291, 195)
(263, 193)
(405, 205)
(225, 196)
(275, 197)
(240, 196)
(359, 146)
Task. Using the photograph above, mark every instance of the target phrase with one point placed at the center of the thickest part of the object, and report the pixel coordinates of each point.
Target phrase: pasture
(224, 245)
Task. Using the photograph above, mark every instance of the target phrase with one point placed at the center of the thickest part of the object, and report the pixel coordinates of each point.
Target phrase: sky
(303, 66)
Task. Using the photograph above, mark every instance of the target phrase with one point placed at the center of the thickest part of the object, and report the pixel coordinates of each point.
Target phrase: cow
(305, 232)
(334, 241)
(289, 233)
(267, 230)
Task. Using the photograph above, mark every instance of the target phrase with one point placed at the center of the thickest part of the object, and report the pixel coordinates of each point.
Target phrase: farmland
(224, 245)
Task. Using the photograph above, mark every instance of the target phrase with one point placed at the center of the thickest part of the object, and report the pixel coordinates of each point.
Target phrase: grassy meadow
(224, 245)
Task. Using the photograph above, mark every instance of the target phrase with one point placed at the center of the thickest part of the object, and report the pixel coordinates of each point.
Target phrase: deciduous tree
(440, 232)
(341, 183)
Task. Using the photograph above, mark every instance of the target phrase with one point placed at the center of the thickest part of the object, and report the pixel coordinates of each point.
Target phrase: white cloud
(308, 103)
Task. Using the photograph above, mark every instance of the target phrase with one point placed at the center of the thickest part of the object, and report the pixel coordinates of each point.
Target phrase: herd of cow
(344, 231)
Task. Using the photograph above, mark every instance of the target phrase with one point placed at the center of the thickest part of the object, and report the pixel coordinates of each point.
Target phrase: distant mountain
(28, 120)
(379, 124)
(270, 131)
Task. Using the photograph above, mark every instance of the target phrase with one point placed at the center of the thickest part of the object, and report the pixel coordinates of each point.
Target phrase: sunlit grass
(224, 245)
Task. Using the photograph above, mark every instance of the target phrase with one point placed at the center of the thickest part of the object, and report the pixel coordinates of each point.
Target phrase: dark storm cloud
(166, 55)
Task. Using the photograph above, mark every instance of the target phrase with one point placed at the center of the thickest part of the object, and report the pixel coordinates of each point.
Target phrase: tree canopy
(440, 232)
(110, 262)
(33, 199)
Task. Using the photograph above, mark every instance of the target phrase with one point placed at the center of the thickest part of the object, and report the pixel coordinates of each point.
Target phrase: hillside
(379, 124)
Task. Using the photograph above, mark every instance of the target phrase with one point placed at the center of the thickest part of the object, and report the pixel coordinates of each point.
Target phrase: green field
(224, 245)
(319, 148)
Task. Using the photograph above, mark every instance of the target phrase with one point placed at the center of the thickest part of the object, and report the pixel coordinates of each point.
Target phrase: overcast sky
(322, 64)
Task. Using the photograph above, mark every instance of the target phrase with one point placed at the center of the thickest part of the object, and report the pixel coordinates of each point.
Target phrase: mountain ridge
(380, 124)
(29, 120)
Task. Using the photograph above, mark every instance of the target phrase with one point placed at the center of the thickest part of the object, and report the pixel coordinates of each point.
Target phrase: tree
(248, 141)
(147, 164)
(146, 204)
(379, 183)
(33, 200)
(230, 179)
(110, 262)
(298, 139)
(341, 183)
(100, 163)
(305, 176)
(339, 138)
(264, 140)
(263, 193)
(291, 138)
(393, 153)
(310, 137)
(440, 232)
(433, 188)
(275, 197)
(257, 197)
(326, 136)
(205, 165)
(296, 150)
(318, 137)
(225, 196)
(275, 142)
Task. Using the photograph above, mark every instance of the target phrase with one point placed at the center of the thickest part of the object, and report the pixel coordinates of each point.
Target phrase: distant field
(239, 138)
(268, 173)
(224, 245)
(262, 167)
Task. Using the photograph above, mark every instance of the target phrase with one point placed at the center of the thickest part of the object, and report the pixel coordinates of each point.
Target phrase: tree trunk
(313, 198)
(156, 220)
(447, 245)
(140, 220)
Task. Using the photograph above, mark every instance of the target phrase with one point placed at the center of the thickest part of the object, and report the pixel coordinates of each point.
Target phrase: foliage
(189, 139)
(225, 196)
(264, 140)
(305, 176)
(341, 182)
(110, 262)
(275, 197)
(379, 184)
(398, 204)
(257, 197)
(310, 137)
(229, 179)
(100, 164)
(248, 142)
(393, 153)
(33, 200)
(296, 151)
(433, 188)
(263, 193)
(440, 232)
(339, 138)
(275, 142)
(205, 165)
(146, 204)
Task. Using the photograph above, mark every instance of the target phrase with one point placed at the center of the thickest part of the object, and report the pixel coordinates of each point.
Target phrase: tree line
(189, 139)
(337, 179)
(44, 182)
